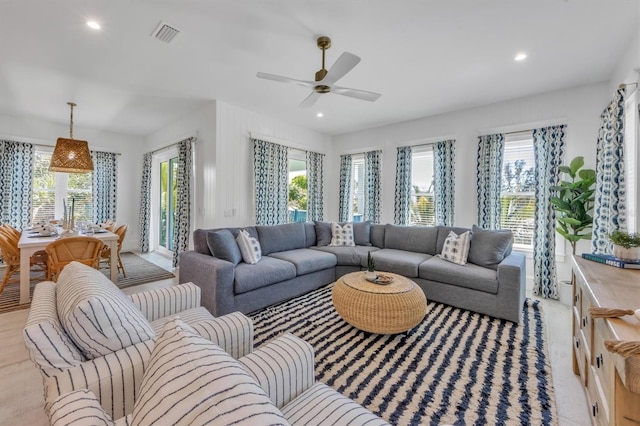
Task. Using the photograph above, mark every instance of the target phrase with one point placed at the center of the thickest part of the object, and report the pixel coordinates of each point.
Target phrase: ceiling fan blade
(281, 79)
(310, 100)
(355, 93)
(343, 65)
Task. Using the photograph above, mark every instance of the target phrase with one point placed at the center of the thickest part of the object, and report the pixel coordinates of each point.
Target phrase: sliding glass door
(165, 169)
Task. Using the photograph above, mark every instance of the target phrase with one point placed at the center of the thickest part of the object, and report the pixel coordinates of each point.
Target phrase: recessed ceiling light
(93, 24)
(521, 57)
(319, 115)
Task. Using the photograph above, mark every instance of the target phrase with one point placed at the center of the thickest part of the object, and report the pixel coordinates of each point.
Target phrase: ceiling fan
(324, 80)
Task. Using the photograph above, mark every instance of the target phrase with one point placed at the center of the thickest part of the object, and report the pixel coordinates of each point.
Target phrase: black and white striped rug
(456, 367)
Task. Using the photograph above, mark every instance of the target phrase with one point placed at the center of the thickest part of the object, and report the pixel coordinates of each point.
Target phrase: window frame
(427, 151)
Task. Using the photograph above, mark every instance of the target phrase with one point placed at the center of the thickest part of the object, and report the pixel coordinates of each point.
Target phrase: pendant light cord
(71, 104)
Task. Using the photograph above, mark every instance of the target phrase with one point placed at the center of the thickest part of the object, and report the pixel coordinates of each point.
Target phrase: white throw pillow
(190, 380)
(456, 248)
(249, 247)
(97, 315)
(342, 235)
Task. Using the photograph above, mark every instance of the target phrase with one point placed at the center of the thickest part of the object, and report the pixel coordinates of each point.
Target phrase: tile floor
(21, 391)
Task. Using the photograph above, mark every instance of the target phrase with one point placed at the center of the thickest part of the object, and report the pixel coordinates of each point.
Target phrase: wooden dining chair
(105, 255)
(11, 257)
(38, 258)
(61, 252)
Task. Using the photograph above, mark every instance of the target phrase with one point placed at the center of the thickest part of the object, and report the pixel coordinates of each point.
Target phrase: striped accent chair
(83, 329)
(192, 381)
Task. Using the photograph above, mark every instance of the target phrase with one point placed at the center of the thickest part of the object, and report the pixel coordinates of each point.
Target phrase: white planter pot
(631, 253)
(565, 292)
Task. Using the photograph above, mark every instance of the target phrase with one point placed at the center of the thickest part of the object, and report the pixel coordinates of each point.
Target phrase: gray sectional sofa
(297, 258)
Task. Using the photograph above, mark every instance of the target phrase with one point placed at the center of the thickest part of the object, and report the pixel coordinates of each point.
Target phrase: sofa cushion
(274, 238)
(200, 244)
(488, 248)
(309, 234)
(268, 271)
(456, 248)
(443, 233)
(342, 235)
(361, 233)
(306, 261)
(397, 261)
(348, 256)
(190, 380)
(249, 247)
(377, 235)
(96, 314)
(418, 239)
(469, 275)
(223, 246)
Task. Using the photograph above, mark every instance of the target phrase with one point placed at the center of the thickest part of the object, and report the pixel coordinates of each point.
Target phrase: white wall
(129, 163)
(579, 108)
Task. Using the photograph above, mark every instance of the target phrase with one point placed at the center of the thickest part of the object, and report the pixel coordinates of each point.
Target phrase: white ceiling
(424, 56)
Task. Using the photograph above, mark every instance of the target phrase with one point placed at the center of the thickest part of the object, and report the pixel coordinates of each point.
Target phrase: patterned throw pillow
(249, 247)
(190, 380)
(342, 235)
(456, 248)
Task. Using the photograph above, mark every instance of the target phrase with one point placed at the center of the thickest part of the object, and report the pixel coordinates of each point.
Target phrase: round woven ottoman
(382, 309)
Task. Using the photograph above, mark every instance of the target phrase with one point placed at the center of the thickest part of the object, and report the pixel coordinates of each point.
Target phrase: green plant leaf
(575, 165)
(564, 169)
(569, 221)
(587, 174)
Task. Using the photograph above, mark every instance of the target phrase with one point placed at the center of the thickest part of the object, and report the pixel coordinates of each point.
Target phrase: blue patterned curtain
(345, 188)
(489, 172)
(444, 164)
(315, 196)
(372, 173)
(16, 177)
(402, 208)
(145, 202)
(105, 186)
(184, 182)
(609, 211)
(271, 170)
(548, 149)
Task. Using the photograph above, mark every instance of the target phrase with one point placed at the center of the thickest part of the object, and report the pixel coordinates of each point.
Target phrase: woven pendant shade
(71, 155)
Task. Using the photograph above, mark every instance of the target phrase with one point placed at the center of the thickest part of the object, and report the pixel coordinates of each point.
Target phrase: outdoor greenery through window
(517, 193)
(297, 206)
(422, 195)
(357, 188)
(50, 188)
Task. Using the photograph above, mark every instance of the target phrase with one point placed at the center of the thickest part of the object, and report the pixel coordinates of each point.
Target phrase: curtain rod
(157, 150)
(41, 145)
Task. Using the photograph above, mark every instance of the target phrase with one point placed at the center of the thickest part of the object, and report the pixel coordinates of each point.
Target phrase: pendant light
(71, 155)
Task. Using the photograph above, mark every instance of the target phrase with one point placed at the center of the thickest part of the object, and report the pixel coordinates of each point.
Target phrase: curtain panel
(315, 179)
(402, 203)
(105, 186)
(444, 160)
(488, 179)
(271, 170)
(548, 149)
(16, 175)
(145, 202)
(184, 184)
(345, 188)
(610, 194)
(372, 173)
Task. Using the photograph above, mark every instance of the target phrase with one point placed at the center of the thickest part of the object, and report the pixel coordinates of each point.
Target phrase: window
(631, 157)
(357, 188)
(168, 196)
(517, 192)
(51, 188)
(297, 205)
(422, 195)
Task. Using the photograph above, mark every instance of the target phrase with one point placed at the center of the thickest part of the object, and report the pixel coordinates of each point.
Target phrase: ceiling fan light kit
(71, 155)
(324, 80)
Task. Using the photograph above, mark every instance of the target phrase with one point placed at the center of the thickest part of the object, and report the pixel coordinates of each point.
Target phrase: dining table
(32, 242)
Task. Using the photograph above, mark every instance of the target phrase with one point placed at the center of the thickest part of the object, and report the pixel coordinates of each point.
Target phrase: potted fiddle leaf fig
(574, 202)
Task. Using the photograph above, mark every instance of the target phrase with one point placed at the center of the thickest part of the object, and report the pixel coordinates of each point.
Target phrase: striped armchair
(115, 376)
(283, 369)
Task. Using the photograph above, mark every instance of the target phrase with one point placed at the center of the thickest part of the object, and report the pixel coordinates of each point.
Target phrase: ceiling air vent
(165, 32)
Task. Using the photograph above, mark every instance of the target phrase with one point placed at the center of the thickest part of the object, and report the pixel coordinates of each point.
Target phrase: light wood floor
(21, 394)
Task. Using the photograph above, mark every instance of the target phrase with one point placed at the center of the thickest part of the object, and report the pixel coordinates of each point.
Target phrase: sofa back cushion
(50, 348)
(489, 247)
(377, 235)
(223, 246)
(190, 380)
(361, 233)
(310, 234)
(275, 238)
(200, 244)
(97, 315)
(419, 239)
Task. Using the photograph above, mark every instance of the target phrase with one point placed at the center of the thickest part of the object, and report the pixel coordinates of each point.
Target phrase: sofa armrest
(78, 407)
(232, 332)
(114, 379)
(162, 302)
(284, 368)
(214, 277)
(512, 283)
